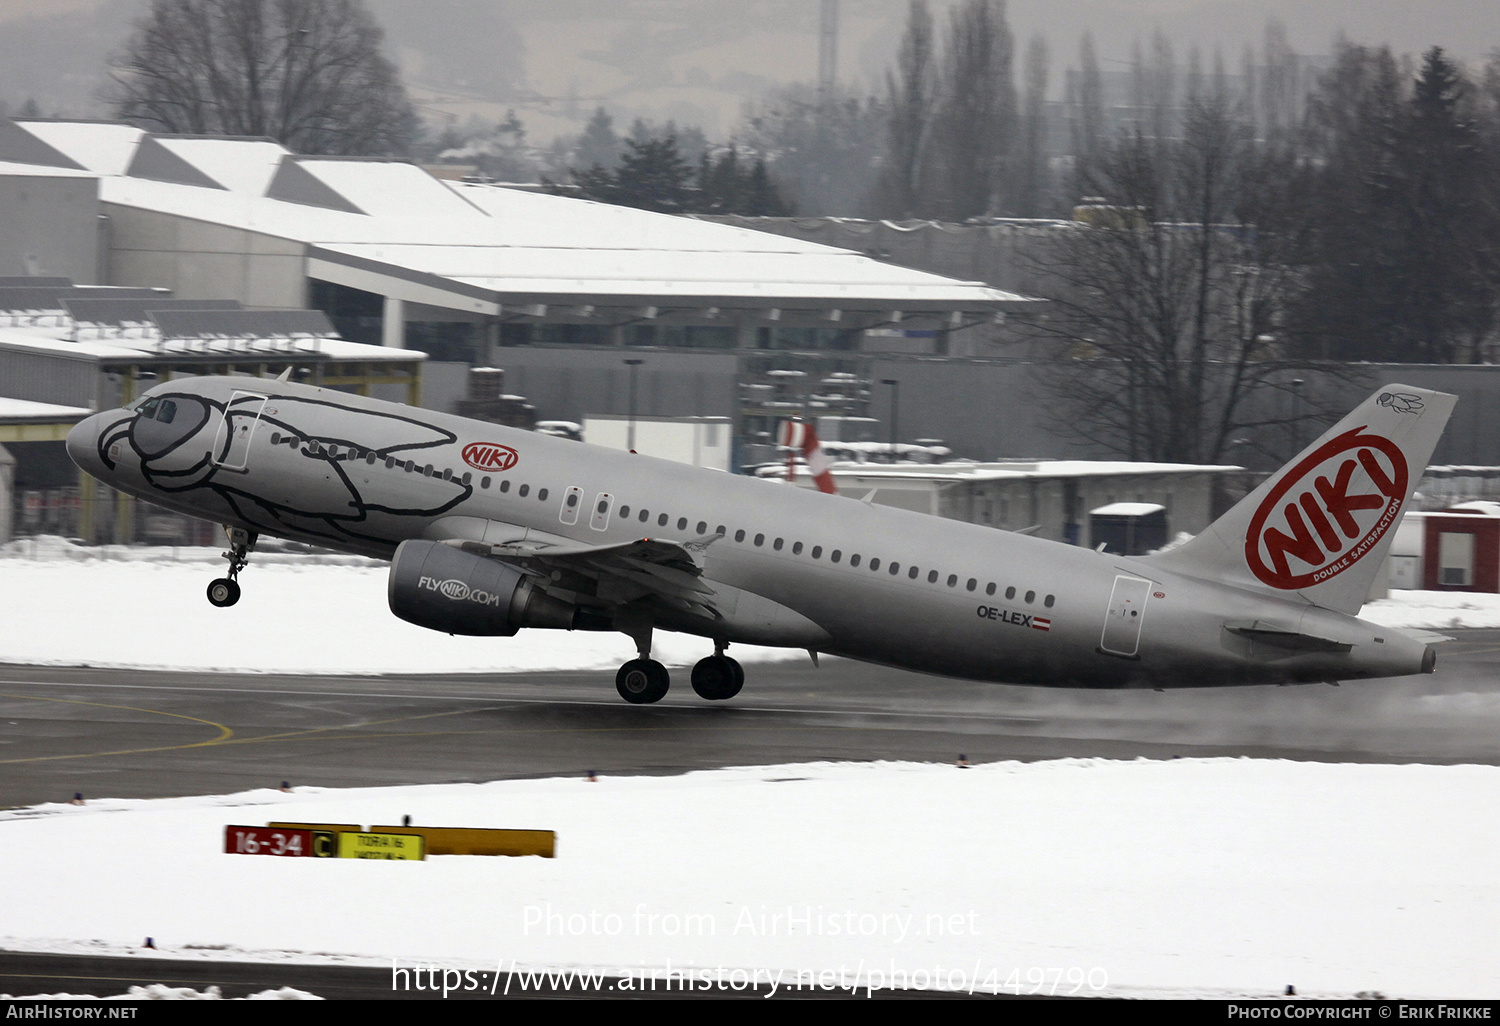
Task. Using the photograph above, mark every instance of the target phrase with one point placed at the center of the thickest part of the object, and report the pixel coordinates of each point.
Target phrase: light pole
(630, 430)
(895, 411)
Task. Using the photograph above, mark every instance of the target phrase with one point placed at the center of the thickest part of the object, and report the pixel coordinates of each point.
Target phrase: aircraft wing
(624, 572)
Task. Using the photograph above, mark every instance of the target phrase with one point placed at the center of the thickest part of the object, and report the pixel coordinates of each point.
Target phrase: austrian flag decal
(490, 456)
(1328, 512)
(1041, 623)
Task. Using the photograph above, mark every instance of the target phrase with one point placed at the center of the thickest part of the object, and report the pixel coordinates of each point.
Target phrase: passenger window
(645, 515)
(572, 499)
(682, 524)
(895, 569)
(760, 539)
(776, 545)
(484, 482)
(972, 584)
(524, 490)
(912, 573)
(1010, 592)
(541, 496)
(721, 531)
(1030, 597)
(275, 437)
(390, 464)
(989, 589)
(661, 521)
(739, 535)
(875, 563)
(702, 527)
(796, 548)
(834, 556)
(817, 552)
(505, 485)
(427, 470)
(624, 512)
(447, 473)
(932, 577)
(854, 559)
(372, 456)
(1047, 601)
(952, 580)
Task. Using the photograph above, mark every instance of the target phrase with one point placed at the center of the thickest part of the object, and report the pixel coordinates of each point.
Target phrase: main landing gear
(226, 590)
(644, 680)
(718, 677)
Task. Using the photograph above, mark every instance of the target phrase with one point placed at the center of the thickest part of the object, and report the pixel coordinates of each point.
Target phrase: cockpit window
(166, 411)
(147, 409)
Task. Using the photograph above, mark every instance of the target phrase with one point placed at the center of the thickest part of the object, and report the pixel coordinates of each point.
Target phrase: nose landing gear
(225, 591)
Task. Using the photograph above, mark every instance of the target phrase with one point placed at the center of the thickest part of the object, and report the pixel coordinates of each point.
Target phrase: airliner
(489, 530)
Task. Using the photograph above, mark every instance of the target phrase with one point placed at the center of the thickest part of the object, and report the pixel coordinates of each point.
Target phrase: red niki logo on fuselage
(1328, 512)
(490, 456)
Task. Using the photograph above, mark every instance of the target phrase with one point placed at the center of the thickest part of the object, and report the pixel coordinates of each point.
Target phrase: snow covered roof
(477, 246)
(13, 411)
(973, 472)
(1128, 509)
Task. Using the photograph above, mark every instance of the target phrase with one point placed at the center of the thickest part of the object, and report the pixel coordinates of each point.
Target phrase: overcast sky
(697, 61)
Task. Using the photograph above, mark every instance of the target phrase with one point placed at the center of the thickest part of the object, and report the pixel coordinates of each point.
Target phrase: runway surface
(145, 734)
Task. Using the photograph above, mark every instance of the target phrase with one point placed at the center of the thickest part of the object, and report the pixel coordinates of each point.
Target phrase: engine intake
(446, 589)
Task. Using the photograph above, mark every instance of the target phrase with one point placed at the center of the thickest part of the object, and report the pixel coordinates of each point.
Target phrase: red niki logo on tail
(1329, 511)
(490, 456)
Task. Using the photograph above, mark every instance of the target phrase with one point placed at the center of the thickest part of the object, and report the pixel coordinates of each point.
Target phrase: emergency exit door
(1126, 614)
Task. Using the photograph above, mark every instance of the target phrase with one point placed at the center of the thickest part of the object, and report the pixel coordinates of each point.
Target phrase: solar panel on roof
(188, 324)
(119, 312)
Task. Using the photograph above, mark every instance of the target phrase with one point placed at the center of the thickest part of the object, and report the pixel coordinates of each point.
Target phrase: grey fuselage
(839, 575)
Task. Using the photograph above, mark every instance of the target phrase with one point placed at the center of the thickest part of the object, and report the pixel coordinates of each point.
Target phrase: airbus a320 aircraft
(490, 529)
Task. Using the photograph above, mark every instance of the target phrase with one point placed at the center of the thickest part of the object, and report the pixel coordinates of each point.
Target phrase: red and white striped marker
(798, 435)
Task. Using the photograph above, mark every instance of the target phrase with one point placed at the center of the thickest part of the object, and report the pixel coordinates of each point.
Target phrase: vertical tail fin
(1321, 525)
(801, 436)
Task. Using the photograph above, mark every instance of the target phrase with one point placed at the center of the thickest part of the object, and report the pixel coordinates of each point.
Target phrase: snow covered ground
(112, 606)
(1189, 877)
(1179, 878)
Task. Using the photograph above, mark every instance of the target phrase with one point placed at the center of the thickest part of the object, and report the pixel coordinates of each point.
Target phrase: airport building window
(524, 490)
(542, 495)
(817, 552)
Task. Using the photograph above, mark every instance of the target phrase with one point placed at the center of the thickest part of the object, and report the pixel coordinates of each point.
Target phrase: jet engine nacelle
(446, 589)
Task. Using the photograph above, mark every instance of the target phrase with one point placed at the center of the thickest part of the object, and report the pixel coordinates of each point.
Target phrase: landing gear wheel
(718, 677)
(642, 681)
(223, 592)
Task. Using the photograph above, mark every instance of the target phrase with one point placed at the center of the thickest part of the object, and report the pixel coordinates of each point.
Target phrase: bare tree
(977, 120)
(911, 91)
(1033, 179)
(1167, 301)
(1086, 104)
(307, 73)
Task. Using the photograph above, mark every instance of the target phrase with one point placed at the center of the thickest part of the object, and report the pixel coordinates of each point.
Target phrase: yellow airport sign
(382, 846)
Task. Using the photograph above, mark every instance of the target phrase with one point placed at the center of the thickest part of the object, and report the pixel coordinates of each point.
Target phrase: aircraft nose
(83, 445)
